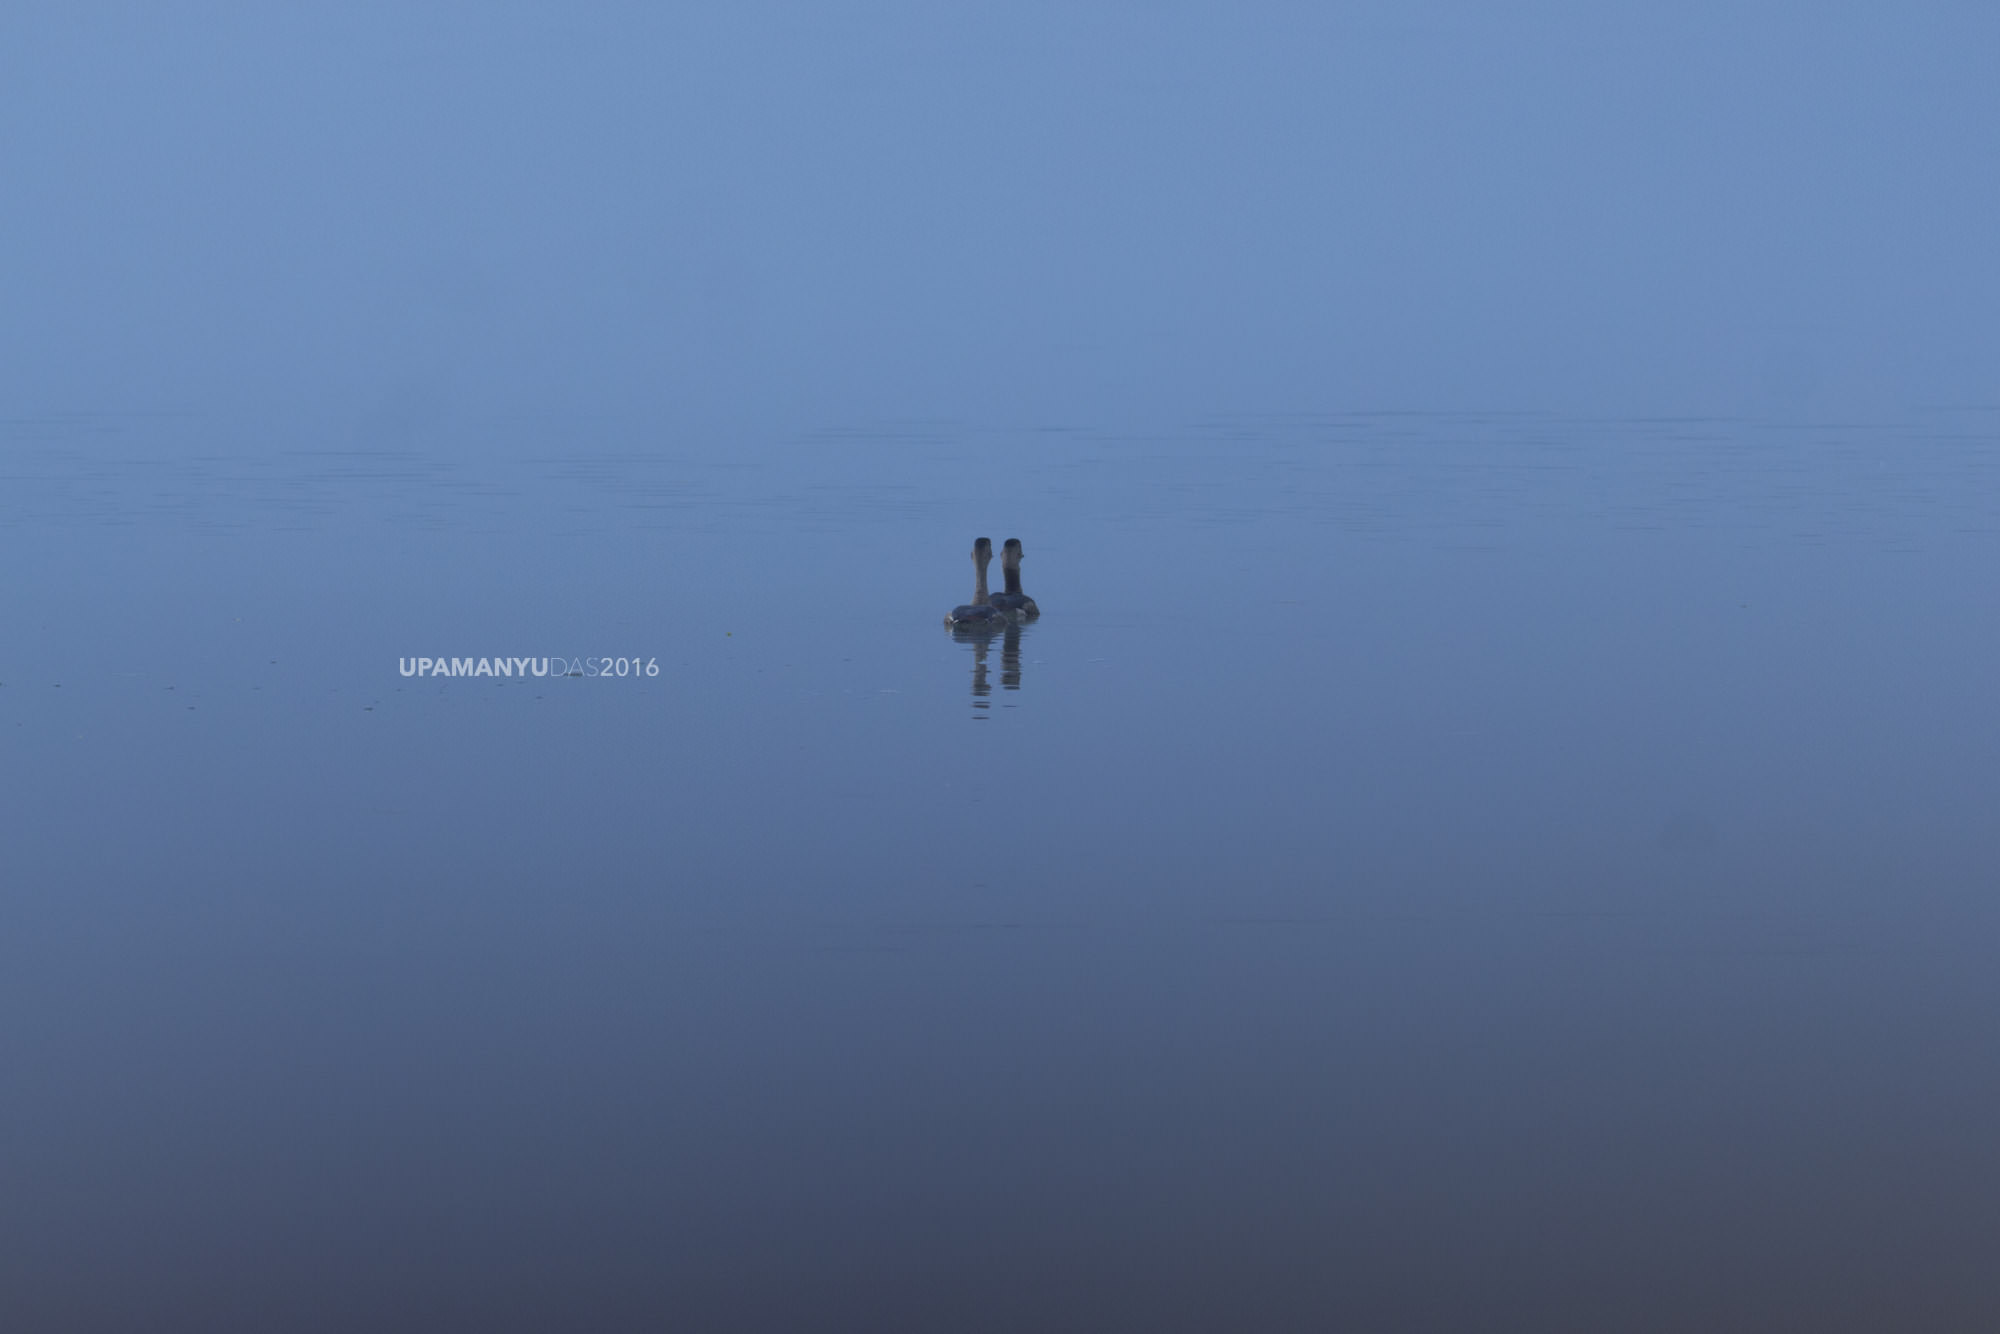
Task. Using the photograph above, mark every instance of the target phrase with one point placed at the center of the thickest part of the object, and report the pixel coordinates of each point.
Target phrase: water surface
(1420, 871)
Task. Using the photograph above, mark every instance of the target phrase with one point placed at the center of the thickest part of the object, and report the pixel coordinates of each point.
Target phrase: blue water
(1419, 872)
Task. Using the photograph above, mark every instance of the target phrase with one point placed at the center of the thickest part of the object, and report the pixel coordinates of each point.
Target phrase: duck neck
(980, 597)
(1012, 573)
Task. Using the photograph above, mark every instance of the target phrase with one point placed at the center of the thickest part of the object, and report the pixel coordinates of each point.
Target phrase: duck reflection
(1010, 657)
(980, 637)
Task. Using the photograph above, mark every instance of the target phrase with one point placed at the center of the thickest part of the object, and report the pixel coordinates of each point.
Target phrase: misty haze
(1491, 827)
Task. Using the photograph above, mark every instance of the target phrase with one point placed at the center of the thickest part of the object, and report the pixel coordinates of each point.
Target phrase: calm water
(1419, 872)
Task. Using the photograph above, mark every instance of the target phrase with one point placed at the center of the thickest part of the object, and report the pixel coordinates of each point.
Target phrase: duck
(980, 611)
(1013, 601)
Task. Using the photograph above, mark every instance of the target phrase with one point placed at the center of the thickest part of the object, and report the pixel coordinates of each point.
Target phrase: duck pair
(995, 608)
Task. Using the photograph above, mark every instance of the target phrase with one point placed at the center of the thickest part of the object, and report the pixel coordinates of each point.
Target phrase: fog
(1491, 828)
(721, 217)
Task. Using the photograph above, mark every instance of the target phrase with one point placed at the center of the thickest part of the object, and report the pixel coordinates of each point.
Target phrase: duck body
(971, 616)
(1017, 604)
